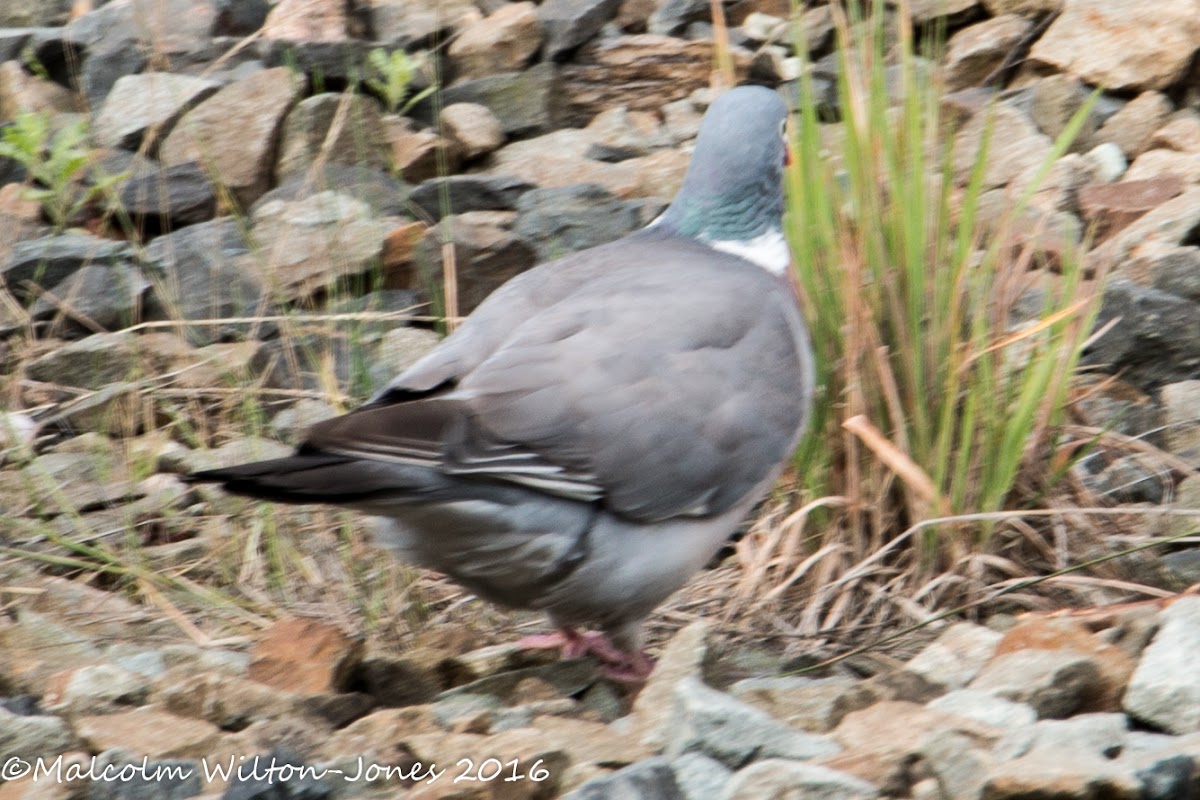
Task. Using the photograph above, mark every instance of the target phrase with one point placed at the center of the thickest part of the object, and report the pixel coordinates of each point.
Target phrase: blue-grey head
(733, 190)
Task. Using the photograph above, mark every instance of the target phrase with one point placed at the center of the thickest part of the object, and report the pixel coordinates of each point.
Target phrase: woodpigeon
(595, 431)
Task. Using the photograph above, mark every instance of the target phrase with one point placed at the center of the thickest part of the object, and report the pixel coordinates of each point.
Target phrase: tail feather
(318, 478)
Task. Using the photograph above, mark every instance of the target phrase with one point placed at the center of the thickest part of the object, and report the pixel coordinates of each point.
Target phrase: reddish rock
(147, 732)
(1112, 206)
(307, 20)
(472, 127)
(977, 50)
(1132, 126)
(502, 42)
(304, 656)
(399, 245)
(1181, 133)
(419, 155)
(1062, 633)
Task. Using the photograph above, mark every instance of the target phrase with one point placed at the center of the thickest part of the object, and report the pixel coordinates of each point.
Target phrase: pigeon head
(732, 194)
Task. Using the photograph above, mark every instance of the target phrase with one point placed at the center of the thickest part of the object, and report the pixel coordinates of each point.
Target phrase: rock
(95, 295)
(1170, 223)
(568, 678)
(138, 779)
(672, 17)
(685, 656)
(986, 708)
(1164, 687)
(1108, 162)
(407, 24)
(1141, 344)
(1094, 735)
(1014, 145)
(95, 481)
(1153, 163)
(642, 72)
(1181, 417)
(383, 194)
(147, 106)
(32, 736)
(360, 140)
(525, 102)
(503, 42)
(473, 128)
(225, 700)
(1026, 8)
(21, 92)
(399, 349)
(419, 155)
(926, 11)
(93, 689)
(1056, 683)
(1182, 132)
(88, 363)
(1113, 206)
(1132, 127)
(621, 134)
(715, 724)
(195, 278)
(337, 63)
(458, 194)
(49, 260)
(1055, 101)
(315, 241)
(808, 704)
(487, 254)
(559, 221)
(954, 659)
(1060, 774)
(296, 782)
(182, 195)
(570, 23)
(307, 20)
(233, 134)
(777, 778)
(147, 732)
(976, 51)
(1121, 47)
(700, 777)
(293, 422)
(305, 656)
(307, 362)
(652, 779)
(249, 448)
(560, 159)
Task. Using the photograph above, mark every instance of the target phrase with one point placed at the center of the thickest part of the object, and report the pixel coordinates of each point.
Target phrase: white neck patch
(768, 250)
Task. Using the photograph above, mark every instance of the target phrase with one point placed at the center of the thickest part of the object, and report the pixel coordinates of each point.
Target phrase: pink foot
(616, 664)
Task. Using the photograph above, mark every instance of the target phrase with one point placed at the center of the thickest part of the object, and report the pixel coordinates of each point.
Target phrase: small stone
(147, 106)
(1108, 162)
(808, 704)
(525, 102)
(1182, 133)
(700, 777)
(419, 155)
(1181, 413)
(94, 688)
(685, 656)
(1060, 773)
(473, 128)
(986, 708)
(1153, 163)
(487, 255)
(651, 779)
(565, 220)
(458, 194)
(502, 42)
(304, 656)
(1055, 683)
(361, 139)
(307, 20)
(89, 363)
(30, 737)
(621, 134)
(181, 195)
(293, 422)
(1014, 145)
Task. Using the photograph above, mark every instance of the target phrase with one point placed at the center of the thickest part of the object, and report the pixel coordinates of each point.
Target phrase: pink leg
(616, 663)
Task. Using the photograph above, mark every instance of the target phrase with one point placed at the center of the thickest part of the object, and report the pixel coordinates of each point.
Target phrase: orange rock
(305, 656)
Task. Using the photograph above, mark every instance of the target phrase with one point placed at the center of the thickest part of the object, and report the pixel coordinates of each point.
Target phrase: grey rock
(195, 278)
(776, 778)
(181, 195)
(810, 704)
(29, 737)
(362, 139)
(720, 726)
(383, 194)
(974, 52)
(110, 410)
(147, 663)
(1165, 688)
(986, 708)
(290, 424)
(567, 677)
(684, 658)
(1179, 273)
(147, 106)
(1135, 478)
(1181, 417)
(234, 452)
(567, 24)
(562, 220)
(1054, 682)
(412, 23)
(487, 253)
(1132, 127)
(700, 777)
(234, 133)
(525, 102)
(336, 63)
(51, 259)
(956, 656)
(89, 363)
(1098, 735)
(650, 779)
(106, 64)
(472, 128)
(958, 761)
(1055, 100)
(1014, 145)
(399, 349)
(672, 17)
(1157, 340)
(107, 295)
(303, 362)
(34, 13)
(294, 787)
(463, 705)
(166, 779)
(100, 687)
(456, 194)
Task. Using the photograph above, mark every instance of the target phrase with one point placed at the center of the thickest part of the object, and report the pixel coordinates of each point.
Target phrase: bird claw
(615, 663)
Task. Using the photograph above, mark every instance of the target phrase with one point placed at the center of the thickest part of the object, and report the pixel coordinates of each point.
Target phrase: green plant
(931, 401)
(56, 162)
(392, 74)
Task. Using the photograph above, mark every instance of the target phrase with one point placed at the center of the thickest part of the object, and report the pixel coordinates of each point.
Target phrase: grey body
(589, 438)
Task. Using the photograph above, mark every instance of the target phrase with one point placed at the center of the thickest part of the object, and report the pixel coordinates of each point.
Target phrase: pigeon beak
(787, 156)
